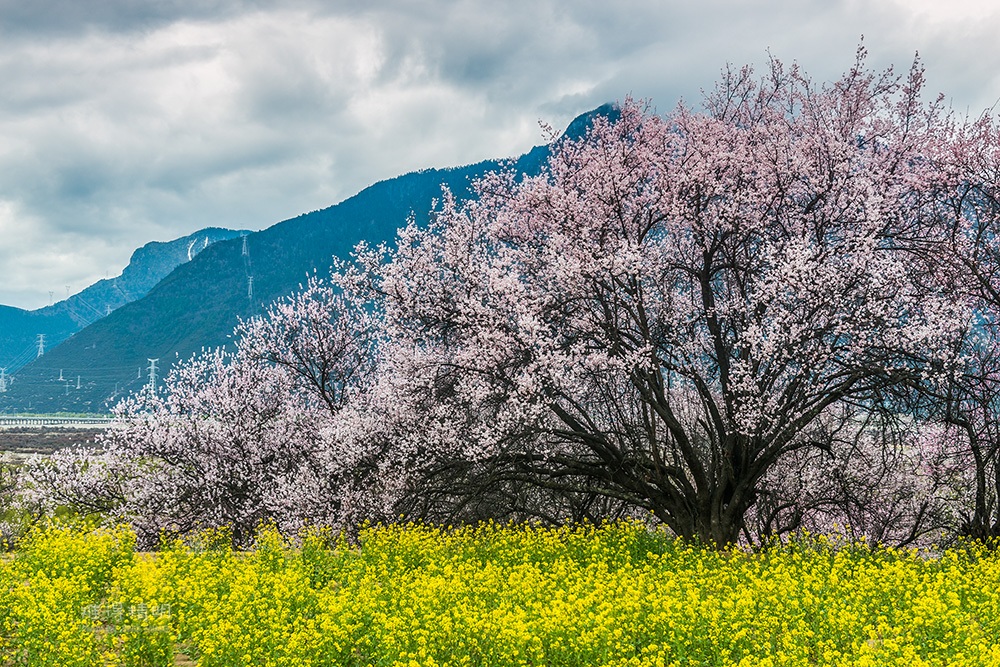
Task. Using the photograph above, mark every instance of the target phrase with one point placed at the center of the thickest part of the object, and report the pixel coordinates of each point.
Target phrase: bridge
(62, 422)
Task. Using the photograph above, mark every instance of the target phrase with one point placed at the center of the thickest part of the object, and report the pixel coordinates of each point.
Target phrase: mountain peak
(577, 129)
(19, 329)
(200, 302)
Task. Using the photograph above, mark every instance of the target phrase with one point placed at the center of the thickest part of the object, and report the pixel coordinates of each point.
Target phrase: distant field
(22, 441)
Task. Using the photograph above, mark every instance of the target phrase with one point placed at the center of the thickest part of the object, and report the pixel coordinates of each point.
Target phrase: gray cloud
(48, 17)
(125, 121)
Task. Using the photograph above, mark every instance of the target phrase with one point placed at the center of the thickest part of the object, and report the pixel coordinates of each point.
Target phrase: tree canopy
(772, 313)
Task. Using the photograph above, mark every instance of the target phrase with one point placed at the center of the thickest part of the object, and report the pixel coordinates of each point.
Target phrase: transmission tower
(250, 288)
(3, 380)
(41, 344)
(61, 378)
(152, 374)
(246, 250)
(77, 381)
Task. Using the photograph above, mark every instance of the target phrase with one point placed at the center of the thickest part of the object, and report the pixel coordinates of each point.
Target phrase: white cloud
(130, 121)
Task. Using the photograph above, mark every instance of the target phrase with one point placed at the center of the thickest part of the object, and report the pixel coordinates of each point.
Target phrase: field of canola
(412, 595)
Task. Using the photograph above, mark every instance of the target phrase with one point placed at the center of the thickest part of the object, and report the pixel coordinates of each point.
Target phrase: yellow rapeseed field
(619, 595)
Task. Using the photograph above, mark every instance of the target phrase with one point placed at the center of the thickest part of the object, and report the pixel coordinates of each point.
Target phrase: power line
(22, 359)
(79, 299)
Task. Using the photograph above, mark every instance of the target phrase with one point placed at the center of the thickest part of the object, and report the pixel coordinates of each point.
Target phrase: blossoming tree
(688, 316)
(961, 238)
(234, 439)
(666, 313)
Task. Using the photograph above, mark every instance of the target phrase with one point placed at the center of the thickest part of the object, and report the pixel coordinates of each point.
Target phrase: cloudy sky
(125, 121)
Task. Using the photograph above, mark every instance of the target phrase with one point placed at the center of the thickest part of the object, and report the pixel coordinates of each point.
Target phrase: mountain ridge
(148, 264)
(197, 305)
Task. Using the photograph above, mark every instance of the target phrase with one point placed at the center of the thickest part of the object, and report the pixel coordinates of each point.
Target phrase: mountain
(197, 305)
(20, 329)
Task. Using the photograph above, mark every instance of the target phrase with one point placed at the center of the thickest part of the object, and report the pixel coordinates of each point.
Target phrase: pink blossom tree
(699, 317)
(323, 336)
(885, 478)
(961, 239)
(665, 314)
(233, 439)
(222, 447)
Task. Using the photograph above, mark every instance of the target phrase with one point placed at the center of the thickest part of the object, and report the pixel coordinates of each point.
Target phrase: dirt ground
(44, 439)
